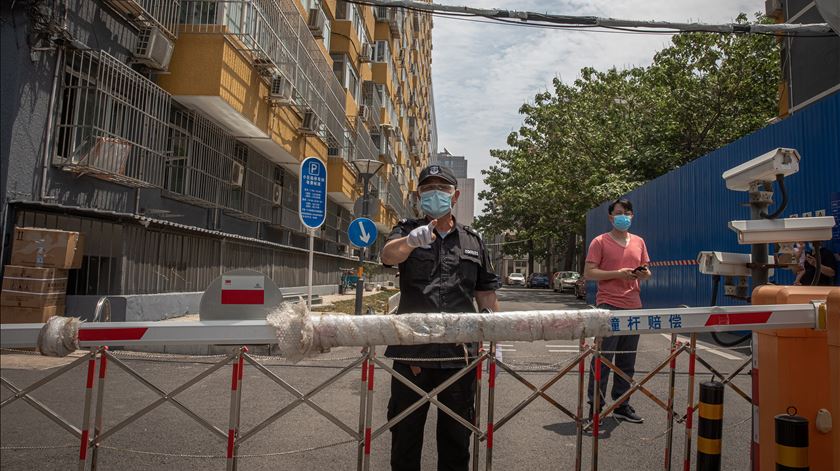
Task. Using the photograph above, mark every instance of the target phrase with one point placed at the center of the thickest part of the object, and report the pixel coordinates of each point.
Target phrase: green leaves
(611, 131)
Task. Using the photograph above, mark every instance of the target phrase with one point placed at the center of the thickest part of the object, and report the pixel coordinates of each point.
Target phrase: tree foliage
(610, 131)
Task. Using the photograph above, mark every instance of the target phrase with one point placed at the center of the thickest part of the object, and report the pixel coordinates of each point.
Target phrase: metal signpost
(313, 205)
(362, 233)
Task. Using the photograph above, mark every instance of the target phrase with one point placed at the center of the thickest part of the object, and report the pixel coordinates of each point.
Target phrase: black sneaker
(627, 413)
(587, 425)
(587, 422)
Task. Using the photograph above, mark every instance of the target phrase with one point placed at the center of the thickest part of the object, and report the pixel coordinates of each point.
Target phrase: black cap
(438, 171)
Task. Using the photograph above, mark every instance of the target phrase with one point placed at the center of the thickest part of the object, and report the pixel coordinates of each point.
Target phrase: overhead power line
(528, 18)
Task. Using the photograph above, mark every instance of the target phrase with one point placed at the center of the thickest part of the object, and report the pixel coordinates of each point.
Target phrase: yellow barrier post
(791, 442)
(710, 426)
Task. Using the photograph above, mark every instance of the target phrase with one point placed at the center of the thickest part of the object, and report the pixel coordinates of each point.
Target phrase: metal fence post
(491, 399)
(83, 445)
(100, 397)
(689, 412)
(672, 376)
(477, 417)
(369, 409)
(231, 435)
(580, 398)
(241, 367)
(596, 402)
(362, 403)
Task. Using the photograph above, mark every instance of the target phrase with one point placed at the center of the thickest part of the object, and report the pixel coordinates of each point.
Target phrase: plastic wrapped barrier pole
(298, 333)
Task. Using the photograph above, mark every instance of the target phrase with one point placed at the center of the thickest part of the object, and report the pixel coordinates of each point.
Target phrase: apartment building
(465, 209)
(171, 132)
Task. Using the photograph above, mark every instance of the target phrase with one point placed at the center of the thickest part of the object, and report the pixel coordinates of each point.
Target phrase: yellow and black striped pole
(791, 442)
(710, 426)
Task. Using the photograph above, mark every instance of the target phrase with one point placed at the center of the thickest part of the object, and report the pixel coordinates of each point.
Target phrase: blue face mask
(622, 222)
(435, 203)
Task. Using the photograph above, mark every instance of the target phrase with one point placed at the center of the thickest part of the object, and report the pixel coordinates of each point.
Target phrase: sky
(483, 73)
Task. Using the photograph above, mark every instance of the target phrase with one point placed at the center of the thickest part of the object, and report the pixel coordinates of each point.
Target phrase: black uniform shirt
(441, 278)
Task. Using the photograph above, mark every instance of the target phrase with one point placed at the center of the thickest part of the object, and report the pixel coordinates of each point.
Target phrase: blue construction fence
(688, 210)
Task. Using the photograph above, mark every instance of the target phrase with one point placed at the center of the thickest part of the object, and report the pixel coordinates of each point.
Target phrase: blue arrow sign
(313, 192)
(362, 232)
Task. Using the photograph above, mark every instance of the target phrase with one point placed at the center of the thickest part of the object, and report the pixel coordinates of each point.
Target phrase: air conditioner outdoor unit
(277, 195)
(237, 175)
(282, 90)
(415, 150)
(154, 49)
(364, 113)
(108, 154)
(366, 55)
(317, 18)
(311, 124)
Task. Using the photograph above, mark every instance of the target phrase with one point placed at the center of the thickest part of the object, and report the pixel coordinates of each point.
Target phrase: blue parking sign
(313, 192)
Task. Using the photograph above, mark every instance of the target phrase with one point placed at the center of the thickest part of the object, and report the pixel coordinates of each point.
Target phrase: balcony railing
(394, 17)
(209, 168)
(114, 122)
(395, 197)
(363, 146)
(161, 14)
(277, 40)
(374, 104)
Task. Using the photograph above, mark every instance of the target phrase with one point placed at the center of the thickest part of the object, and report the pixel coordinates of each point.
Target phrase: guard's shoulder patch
(472, 231)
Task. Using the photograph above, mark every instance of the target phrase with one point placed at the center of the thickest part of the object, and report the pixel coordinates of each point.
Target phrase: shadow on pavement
(569, 429)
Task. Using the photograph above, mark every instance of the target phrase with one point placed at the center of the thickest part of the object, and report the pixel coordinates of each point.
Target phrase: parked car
(580, 288)
(515, 279)
(537, 280)
(565, 281)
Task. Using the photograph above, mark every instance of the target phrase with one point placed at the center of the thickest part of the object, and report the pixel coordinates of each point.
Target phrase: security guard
(443, 268)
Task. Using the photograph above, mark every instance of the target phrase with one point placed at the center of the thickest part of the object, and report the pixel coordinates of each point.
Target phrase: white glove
(421, 236)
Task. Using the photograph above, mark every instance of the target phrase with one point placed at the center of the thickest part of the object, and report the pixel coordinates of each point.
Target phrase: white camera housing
(762, 169)
(727, 264)
(767, 231)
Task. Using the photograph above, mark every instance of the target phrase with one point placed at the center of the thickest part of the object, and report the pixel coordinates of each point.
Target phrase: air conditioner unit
(108, 154)
(277, 195)
(310, 124)
(282, 90)
(364, 113)
(317, 18)
(366, 55)
(237, 175)
(154, 49)
(415, 150)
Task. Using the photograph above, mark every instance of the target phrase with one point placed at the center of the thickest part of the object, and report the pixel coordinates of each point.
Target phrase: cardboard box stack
(35, 283)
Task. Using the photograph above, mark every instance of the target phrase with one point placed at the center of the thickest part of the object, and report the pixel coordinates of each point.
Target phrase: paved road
(541, 437)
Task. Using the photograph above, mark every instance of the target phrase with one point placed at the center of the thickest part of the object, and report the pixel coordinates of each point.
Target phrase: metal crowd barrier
(97, 338)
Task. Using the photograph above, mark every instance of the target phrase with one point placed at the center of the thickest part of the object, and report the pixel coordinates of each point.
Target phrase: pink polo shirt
(607, 254)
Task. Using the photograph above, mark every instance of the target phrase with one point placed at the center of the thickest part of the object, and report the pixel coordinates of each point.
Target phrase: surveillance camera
(766, 231)
(762, 169)
(726, 264)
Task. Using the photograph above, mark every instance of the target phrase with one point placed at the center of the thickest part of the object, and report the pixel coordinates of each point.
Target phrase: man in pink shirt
(618, 260)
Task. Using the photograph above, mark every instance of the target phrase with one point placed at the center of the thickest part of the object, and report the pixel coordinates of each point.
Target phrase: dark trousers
(626, 362)
(453, 439)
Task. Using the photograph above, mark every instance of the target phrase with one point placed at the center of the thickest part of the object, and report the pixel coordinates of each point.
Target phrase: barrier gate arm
(629, 322)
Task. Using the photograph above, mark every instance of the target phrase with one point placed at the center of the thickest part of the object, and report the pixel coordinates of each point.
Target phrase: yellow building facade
(298, 78)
